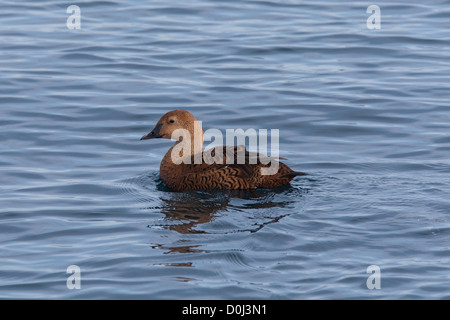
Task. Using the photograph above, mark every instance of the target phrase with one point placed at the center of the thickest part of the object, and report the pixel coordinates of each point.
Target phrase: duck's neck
(186, 152)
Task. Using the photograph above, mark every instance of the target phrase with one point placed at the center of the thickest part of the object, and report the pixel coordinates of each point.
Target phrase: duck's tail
(294, 174)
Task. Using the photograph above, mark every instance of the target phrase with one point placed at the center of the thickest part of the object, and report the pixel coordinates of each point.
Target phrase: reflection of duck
(190, 209)
(242, 172)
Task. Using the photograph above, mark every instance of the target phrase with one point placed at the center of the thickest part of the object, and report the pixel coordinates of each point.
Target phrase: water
(365, 112)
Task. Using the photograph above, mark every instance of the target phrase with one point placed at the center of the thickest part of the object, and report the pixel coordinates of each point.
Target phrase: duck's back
(243, 171)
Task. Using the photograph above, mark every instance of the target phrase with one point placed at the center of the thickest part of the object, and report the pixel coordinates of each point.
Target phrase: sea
(360, 94)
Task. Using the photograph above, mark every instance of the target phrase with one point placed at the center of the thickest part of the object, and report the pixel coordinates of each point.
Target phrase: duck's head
(172, 121)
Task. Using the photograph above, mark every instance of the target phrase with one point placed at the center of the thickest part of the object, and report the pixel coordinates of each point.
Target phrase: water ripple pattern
(365, 112)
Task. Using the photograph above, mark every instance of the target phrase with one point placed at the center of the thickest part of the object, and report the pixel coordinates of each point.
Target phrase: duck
(186, 166)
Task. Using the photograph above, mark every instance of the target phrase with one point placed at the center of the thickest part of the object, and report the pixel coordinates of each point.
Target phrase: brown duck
(224, 167)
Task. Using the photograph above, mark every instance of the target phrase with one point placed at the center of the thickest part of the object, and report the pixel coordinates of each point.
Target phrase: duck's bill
(155, 133)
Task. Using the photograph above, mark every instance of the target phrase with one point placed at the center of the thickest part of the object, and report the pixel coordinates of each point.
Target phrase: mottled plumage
(213, 172)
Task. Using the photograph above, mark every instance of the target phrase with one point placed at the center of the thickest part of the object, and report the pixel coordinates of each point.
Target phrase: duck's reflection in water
(189, 213)
(187, 210)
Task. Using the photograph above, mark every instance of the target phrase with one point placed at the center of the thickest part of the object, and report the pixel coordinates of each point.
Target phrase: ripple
(85, 57)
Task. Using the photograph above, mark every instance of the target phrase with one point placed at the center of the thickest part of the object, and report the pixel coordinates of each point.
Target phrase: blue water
(365, 112)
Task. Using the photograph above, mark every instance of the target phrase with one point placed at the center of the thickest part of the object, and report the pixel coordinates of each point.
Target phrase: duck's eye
(172, 121)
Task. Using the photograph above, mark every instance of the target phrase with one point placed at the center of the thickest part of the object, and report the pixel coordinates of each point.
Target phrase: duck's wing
(230, 160)
(243, 170)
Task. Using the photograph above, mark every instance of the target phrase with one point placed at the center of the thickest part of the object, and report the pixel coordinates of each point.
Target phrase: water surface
(365, 112)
